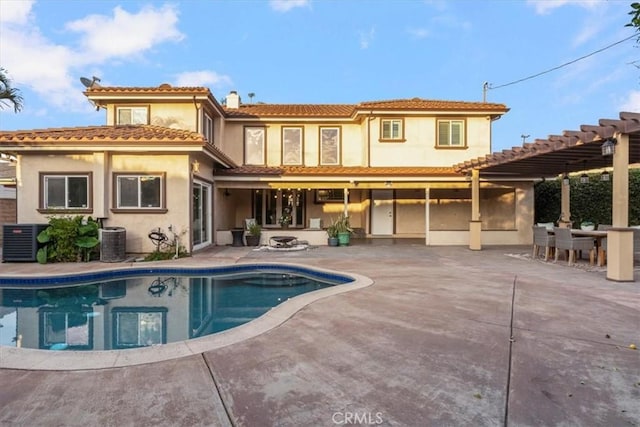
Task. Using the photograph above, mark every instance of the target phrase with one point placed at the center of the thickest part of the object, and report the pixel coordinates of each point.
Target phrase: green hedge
(589, 202)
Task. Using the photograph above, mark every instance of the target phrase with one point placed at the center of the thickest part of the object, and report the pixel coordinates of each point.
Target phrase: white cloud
(106, 37)
(51, 69)
(202, 78)
(15, 12)
(544, 7)
(632, 103)
(366, 37)
(418, 33)
(287, 5)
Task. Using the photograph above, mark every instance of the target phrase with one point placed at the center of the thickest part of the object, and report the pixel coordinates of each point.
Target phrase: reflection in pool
(128, 309)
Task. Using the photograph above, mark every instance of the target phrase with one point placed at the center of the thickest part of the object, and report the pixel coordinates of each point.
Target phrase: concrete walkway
(444, 336)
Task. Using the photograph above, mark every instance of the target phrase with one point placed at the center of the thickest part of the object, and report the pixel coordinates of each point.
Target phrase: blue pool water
(141, 307)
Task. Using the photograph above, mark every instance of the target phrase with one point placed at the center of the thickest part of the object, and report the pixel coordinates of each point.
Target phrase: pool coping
(48, 360)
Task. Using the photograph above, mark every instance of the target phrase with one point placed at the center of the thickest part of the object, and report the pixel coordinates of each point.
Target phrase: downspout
(368, 154)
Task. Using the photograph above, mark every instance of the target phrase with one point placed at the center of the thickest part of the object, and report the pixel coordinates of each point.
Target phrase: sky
(556, 64)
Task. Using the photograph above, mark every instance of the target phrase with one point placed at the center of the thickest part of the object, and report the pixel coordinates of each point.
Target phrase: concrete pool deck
(444, 336)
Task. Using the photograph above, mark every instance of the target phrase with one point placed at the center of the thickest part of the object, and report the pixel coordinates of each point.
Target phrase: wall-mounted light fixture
(387, 184)
(565, 179)
(605, 176)
(226, 193)
(609, 147)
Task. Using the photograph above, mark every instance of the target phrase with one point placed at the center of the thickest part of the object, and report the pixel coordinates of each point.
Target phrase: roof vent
(165, 86)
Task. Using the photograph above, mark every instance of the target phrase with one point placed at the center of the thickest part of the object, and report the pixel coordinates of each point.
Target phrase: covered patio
(611, 145)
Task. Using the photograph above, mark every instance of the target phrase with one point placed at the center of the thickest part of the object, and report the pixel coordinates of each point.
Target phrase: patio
(444, 336)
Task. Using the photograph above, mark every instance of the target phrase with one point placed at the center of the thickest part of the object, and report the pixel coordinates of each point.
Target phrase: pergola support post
(620, 237)
(565, 205)
(475, 225)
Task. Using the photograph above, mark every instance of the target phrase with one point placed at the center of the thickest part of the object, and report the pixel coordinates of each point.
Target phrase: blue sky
(320, 51)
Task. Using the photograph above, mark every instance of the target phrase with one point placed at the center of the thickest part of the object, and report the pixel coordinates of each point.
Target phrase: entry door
(382, 213)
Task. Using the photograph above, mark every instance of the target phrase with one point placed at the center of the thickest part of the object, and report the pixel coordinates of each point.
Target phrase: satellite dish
(89, 83)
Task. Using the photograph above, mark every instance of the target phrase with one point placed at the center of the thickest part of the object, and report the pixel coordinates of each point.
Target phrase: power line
(560, 66)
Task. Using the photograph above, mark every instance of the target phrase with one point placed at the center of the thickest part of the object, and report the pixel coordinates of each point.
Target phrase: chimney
(233, 100)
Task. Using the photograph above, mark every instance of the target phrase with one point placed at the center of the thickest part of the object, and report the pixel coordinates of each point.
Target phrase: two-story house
(175, 156)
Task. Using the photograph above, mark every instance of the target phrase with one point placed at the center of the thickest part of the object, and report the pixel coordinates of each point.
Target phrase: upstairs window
(254, 145)
(207, 128)
(451, 133)
(292, 145)
(144, 191)
(329, 146)
(392, 130)
(132, 116)
(62, 191)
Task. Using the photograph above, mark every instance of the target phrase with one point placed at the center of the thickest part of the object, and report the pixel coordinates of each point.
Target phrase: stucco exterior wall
(419, 147)
(138, 225)
(178, 200)
(174, 115)
(417, 150)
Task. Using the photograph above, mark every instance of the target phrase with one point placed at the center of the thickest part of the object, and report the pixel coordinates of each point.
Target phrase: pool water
(117, 310)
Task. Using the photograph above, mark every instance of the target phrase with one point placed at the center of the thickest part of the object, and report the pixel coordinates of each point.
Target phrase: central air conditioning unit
(20, 241)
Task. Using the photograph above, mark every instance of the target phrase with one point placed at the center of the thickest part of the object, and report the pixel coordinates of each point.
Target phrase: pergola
(571, 152)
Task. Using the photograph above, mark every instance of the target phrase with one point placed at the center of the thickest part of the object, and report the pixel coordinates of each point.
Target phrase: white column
(475, 225)
(620, 237)
(427, 240)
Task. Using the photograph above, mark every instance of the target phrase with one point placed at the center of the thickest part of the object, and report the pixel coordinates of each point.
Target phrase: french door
(201, 204)
(269, 206)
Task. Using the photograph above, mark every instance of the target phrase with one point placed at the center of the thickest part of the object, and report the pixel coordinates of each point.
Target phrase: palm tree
(8, 94)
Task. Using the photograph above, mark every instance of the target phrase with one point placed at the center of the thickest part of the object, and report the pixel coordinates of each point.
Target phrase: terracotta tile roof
(290, 110)
(431, 105)
(351, 171)
(123, 133)
(348, 110)
(163, 89)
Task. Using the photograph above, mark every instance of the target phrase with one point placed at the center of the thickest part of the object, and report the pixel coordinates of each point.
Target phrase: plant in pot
(587, 225)
(285, 219)
(253, 234)
(332, 235)
(343, 230)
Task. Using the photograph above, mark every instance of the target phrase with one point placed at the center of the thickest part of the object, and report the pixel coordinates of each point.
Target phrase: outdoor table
(598, 236)
(237, 234)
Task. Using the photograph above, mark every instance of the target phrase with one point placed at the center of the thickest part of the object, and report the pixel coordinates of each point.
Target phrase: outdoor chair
(565, 241)
(315, 223)
(542, 239)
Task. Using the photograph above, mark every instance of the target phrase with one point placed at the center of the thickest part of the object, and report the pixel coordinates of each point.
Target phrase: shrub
(68, 239)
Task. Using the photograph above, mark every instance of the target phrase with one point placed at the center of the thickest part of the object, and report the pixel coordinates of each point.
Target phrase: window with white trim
(391, 130)
(207, 128)
(65, 191)
(139, 191)
(451, 133)
(132, 116)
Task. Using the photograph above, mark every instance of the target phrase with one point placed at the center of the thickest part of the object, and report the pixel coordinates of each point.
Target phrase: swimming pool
(141, 307)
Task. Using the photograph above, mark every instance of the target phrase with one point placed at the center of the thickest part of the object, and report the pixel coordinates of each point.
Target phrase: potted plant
(253, 234)
(285, 219)
(587, 225)
(332, 235)
(343, 230)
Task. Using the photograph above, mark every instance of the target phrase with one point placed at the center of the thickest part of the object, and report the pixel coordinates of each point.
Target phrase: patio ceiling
(572, 151)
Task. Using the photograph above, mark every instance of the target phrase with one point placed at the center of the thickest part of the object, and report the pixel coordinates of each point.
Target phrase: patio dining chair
(542, 239)
(572, 245)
